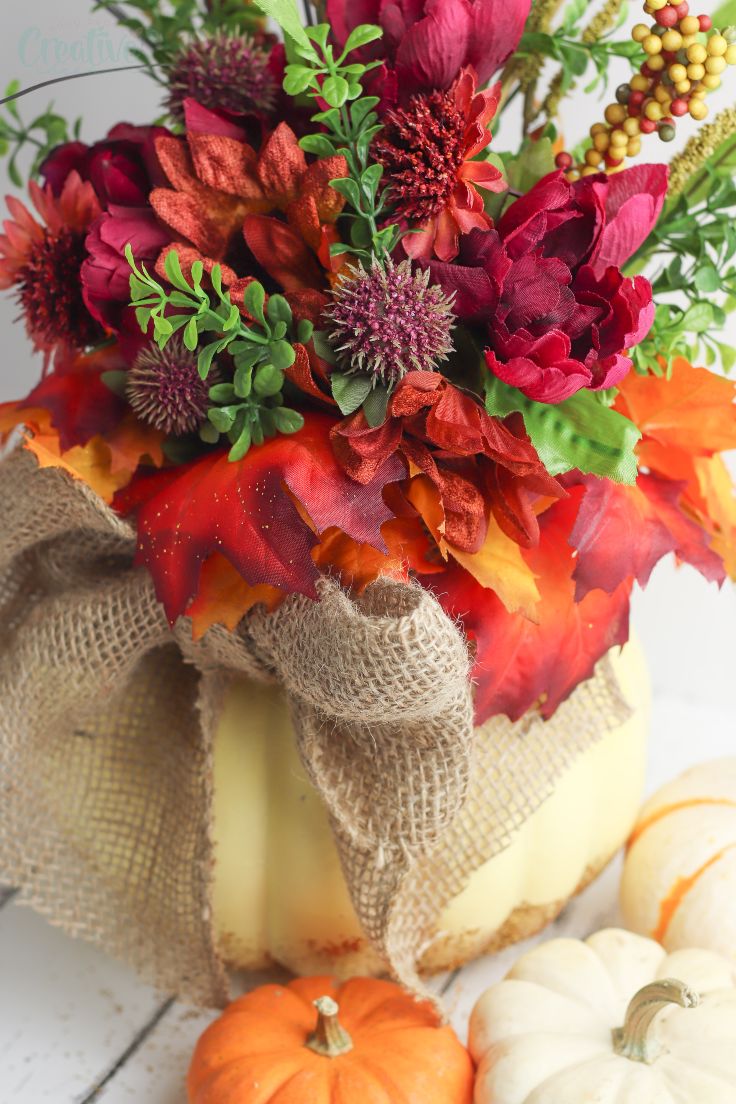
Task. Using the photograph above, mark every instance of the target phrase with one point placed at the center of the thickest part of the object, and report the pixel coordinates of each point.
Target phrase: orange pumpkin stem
(329, 1039)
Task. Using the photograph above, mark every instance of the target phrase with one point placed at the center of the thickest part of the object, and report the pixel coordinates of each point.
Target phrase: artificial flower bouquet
(344, 398)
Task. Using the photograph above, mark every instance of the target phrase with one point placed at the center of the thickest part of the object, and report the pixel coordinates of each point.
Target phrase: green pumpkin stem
(633, 1040)
(329, 1038)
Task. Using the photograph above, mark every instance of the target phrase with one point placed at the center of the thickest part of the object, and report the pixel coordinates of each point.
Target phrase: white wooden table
(77, 1027)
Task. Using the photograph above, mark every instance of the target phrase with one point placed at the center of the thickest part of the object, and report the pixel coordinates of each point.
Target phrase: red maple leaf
(79, 402)
(248, 512)
(519, 664)
(622, 532)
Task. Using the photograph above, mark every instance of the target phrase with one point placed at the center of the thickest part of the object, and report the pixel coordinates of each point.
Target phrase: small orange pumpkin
(271, 1047)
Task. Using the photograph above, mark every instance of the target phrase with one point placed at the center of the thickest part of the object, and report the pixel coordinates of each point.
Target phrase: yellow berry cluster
(684, 62)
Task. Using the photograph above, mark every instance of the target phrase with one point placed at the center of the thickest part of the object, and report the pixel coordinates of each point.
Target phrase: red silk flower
(428, 42)
(559, 313)
(429, 151)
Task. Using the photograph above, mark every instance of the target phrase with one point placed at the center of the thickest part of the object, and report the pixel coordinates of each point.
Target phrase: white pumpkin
(279, 891)
(679, 880)
(613, 1020)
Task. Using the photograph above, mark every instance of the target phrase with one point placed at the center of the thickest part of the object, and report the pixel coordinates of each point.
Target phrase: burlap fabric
(95, 688)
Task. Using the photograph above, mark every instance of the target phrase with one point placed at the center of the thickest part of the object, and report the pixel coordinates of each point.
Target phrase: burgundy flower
(428, 42)
(40, 258)
(558, 312)
(106, 272)
(122, 168)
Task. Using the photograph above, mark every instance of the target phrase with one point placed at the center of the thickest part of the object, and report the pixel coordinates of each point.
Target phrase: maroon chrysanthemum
(223, 71)
(50, 293)
(421, 148)
(165, 389)
(388, 321)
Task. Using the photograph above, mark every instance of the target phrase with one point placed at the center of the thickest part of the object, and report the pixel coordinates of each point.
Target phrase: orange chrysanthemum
(428, 152)
(222, 191)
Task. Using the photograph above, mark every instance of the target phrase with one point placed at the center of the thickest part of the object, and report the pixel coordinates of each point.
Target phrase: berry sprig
(681, 68)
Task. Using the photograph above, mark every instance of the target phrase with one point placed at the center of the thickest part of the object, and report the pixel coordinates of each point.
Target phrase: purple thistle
(165, 390)
(226, 71)
(388, 321)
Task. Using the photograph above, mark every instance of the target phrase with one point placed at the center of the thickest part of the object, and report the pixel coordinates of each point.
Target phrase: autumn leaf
(623, 532)
(79, 402)
(245, 512)
(91, 463)
(715, 505)
(693, 410)
(355, 565)
(104, 464)
(14, 414)
(520, 665)
(500, 566)
(224, 597)
(131, 442)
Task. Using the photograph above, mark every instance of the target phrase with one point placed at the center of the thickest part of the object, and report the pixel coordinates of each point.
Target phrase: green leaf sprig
(249, 406)
(577, 55)
(695, 287)
(350, 122)
(42, 135)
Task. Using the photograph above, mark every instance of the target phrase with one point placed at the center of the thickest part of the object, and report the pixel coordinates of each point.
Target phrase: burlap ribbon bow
(106, 726)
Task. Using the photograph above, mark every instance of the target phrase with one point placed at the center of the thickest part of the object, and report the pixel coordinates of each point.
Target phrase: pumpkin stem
(633, 1040)
(329, 1039)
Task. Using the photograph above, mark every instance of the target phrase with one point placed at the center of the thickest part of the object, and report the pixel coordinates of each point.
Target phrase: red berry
(679, 107)
(647, 126)
(667, 121)
(705, 22)
(612, 162)
(646, 71)
(563, 161)
(634, 110)
(636, 99)
(682, 9)
(666, 17)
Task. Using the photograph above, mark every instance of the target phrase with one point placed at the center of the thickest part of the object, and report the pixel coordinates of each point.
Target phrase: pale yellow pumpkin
(279, 892)
(679, 880)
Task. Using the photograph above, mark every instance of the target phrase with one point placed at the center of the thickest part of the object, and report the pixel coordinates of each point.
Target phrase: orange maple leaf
(500, 566)
(224, 597)
(91, 462)
(693, 411)
(104, 464)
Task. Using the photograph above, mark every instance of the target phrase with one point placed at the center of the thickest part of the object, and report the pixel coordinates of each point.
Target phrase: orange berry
(690, 25)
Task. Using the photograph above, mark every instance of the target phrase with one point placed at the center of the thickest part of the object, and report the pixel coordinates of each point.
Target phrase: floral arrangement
(316, 320)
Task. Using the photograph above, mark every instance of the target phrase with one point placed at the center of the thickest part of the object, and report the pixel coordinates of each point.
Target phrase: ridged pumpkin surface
(257, 1052)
